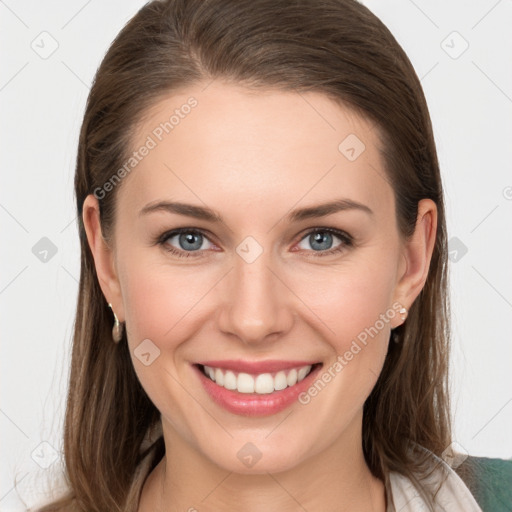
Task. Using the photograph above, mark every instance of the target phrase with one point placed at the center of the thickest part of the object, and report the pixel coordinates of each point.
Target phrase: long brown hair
(334, 47)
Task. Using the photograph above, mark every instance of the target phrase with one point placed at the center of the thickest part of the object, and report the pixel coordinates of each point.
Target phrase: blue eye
(322, 240)
(191, 241)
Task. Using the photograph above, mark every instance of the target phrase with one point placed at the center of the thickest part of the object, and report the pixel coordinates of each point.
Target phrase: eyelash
(344, 237)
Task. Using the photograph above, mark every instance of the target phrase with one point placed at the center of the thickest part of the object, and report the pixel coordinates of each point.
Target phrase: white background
(42, 102)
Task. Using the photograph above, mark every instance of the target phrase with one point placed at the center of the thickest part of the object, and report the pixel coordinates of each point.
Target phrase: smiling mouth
(259, 384)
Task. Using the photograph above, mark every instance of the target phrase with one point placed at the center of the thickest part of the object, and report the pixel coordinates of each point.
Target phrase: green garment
(490, 482)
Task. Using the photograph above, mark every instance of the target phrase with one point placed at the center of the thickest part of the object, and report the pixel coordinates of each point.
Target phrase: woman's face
(280, 284)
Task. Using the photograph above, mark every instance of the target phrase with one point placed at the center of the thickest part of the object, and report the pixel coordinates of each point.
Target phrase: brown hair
(334, 47)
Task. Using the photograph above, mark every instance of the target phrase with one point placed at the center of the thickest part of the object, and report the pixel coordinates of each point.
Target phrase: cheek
(159, 306)
(352, 301)
(356, 310)
(159, 301)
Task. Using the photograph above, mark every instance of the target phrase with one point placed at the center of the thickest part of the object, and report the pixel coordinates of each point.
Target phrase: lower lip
(253, 404)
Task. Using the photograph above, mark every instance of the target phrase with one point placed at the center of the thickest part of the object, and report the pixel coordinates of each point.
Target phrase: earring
(117, 330)
(403, 313)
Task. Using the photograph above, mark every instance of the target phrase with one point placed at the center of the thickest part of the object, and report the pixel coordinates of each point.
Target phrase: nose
(257, 305)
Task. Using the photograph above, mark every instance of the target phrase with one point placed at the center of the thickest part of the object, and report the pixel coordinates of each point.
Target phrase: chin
(257, 458)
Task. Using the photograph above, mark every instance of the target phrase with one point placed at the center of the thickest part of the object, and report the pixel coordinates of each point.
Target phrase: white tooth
(303, 372)
(245, 383)
(292, 377)
(264, 384)
(230, 380)
(219, 377)
(210, 371)
(280, 381)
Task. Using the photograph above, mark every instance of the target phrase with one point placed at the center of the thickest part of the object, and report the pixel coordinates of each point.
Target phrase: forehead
(221, 142)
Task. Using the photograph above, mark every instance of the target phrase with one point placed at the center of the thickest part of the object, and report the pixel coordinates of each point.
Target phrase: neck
(334, 479)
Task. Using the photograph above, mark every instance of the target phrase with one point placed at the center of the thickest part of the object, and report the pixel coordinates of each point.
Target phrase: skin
(271, 152)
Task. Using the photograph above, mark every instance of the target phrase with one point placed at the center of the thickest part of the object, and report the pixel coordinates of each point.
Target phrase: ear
(416, 255)
(103, 255)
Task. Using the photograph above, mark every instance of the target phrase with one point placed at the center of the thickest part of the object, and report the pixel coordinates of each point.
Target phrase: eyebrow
(207, 214)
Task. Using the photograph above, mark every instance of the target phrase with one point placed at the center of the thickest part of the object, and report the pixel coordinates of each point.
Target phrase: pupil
(318, 237)
(189, 239)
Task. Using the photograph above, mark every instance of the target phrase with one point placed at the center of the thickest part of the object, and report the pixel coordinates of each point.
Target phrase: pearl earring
(403, 313)
(117, 330)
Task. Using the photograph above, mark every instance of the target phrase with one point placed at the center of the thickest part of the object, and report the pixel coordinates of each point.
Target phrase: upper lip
(256, 367)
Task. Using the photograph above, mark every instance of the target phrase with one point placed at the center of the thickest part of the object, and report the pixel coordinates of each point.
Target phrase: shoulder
(490, 481)
(441, 488)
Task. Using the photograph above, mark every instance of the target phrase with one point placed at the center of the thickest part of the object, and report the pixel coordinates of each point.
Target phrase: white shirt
(453, 495)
